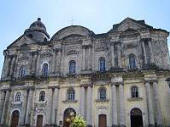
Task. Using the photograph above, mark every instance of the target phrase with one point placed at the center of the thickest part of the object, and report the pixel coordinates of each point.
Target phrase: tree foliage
(78, 122)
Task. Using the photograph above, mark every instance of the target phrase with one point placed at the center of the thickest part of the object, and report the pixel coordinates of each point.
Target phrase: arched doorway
(15, 118)
(136, 118)
(39, 121)
(102, 120)
(69, 114)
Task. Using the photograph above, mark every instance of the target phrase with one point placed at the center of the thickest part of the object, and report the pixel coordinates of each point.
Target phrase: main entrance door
(15, 119)
(136, 118)
(39, 121)
(69, 114)
(102, 120)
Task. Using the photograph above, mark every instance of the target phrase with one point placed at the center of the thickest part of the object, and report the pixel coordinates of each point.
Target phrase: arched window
(45, 69)
(132, 61)
(72, 67)
(71, 94)
(102, 94)
(102, 64)
(134, 92)
(42, 96)
(22, 71)
(18, 97)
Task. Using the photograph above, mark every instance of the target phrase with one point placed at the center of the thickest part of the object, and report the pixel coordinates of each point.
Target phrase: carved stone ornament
(45, 55)
(71, 52)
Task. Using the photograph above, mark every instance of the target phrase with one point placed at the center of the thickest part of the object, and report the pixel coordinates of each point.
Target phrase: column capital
(53, 87)
(151, 81)
(86, 46)
(146, 39)
(86, 85)
(117, 83)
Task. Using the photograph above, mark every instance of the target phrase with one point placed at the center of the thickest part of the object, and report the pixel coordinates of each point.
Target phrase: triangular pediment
(129, 23)
(22, 40)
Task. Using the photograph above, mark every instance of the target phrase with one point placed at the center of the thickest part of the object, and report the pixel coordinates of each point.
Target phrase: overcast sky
(97, 15)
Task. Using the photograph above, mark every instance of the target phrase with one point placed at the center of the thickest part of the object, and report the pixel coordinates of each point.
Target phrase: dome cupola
(37, 31)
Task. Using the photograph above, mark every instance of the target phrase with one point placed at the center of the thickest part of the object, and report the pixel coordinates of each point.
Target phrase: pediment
(129, 23)
(129, 33)
(22, 42)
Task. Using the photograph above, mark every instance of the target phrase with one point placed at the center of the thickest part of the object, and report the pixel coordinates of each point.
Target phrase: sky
(97, 15)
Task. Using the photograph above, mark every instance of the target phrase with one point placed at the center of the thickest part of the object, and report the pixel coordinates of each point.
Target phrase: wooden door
(102, 121)
(40, 121)
(15, 119)
(136, 118)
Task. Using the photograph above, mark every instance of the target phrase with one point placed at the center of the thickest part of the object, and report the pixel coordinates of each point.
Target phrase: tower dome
(37, 31)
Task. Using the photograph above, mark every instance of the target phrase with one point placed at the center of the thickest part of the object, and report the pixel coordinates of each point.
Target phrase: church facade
(120, 78)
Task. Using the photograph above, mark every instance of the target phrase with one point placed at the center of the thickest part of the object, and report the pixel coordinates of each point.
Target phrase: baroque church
(120, 78)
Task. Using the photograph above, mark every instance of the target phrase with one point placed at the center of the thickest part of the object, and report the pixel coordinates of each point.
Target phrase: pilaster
(82, 101)
(122, 106)
(5, 107)
(114, 106)
(29, 103)
(54, 107)
(112, 55)
(157, 105)
(89, 106)
(150, 105)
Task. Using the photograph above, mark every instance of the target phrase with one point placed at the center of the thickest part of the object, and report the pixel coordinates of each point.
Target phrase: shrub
(78, 122)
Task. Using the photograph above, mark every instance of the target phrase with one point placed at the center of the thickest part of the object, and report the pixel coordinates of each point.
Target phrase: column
(54, 62)
(157, 105)
(4, 67)
(122, 107)
(2, 94)
(89, 58)
(29, 105)
(83, 58)
(38, 64)
(82, 101)
(33, 65)
(89, 106)
(7, 67)
(24, 108)
(150, 106)
(151, 51)
(12, 65)
(113, 56)
(59, 60)
(15, 67)
(54, 107)
(119, 56)
(49, 106)
(114, 106)
(144, 52)
(5, 107)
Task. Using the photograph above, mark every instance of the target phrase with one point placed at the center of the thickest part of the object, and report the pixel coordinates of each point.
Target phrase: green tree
(78, 122)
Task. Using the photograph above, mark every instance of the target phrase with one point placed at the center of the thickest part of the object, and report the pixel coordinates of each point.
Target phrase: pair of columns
(6, 103)
(5, 106)
(121, 105)
(146, 52)
(54, 105)
(86, 57)
(114, 53)
(158, 115)
(86, 104)
(53, 98)
(86, 110)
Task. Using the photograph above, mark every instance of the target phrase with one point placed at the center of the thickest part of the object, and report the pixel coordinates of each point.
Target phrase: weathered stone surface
(147, 69)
